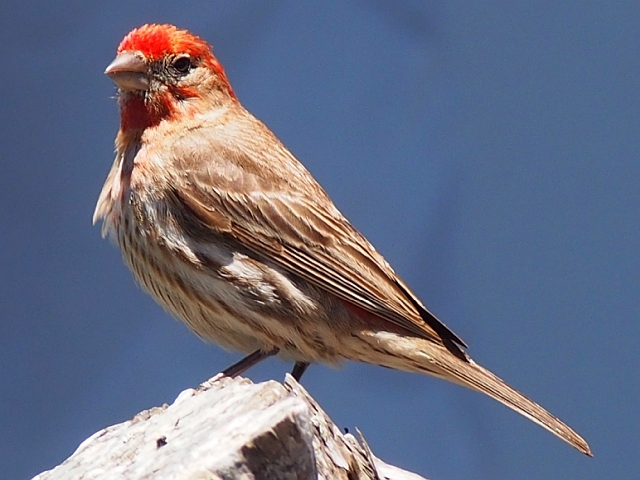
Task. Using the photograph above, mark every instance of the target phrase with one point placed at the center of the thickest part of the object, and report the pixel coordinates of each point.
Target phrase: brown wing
(283, 215)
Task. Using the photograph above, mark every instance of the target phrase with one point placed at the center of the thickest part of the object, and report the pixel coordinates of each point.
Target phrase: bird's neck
(139, 112)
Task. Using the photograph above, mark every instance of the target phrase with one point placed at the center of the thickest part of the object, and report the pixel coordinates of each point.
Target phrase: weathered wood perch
(228, 429)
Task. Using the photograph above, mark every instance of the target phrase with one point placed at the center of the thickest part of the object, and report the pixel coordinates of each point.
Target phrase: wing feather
(332, 255)
(255, 191)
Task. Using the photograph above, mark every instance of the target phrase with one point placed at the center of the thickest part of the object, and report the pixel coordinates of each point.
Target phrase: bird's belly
(187, 291)
(219, 309)
(225, 295)
(209, 317)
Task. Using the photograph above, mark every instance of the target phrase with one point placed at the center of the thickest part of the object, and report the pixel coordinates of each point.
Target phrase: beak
(130, 71)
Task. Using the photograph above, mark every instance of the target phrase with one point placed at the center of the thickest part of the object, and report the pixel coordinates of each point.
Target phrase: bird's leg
(298, 369)
(246, 363)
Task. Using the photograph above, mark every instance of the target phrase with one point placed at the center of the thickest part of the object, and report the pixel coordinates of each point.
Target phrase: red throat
(136, 113)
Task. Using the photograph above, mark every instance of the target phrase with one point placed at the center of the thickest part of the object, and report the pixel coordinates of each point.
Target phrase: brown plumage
(233, 236)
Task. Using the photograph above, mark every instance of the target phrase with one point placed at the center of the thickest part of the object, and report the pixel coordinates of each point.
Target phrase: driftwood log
(228, 429)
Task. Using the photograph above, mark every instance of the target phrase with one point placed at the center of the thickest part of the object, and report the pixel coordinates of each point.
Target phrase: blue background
(490, 152)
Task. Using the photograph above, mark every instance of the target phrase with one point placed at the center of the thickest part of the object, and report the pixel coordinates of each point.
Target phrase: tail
(436, 360)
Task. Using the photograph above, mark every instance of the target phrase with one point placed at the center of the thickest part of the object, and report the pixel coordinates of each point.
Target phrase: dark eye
(182, 64)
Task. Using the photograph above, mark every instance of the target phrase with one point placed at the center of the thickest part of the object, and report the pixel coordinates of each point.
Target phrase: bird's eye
(182, 64)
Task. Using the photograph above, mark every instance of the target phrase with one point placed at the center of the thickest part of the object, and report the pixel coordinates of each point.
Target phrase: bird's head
(162, 71)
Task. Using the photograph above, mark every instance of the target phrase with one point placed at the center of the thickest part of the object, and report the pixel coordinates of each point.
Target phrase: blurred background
(490, 152)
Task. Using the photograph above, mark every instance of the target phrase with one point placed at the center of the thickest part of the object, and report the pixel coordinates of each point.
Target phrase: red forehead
(156, 41)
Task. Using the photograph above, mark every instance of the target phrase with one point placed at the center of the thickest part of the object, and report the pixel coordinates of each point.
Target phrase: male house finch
(232, 235)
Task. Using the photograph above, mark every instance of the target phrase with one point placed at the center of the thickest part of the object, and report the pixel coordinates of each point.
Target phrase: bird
(231, 234)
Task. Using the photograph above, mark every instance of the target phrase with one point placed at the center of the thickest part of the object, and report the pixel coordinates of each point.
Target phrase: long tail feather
(478, 378)
(426, 357)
